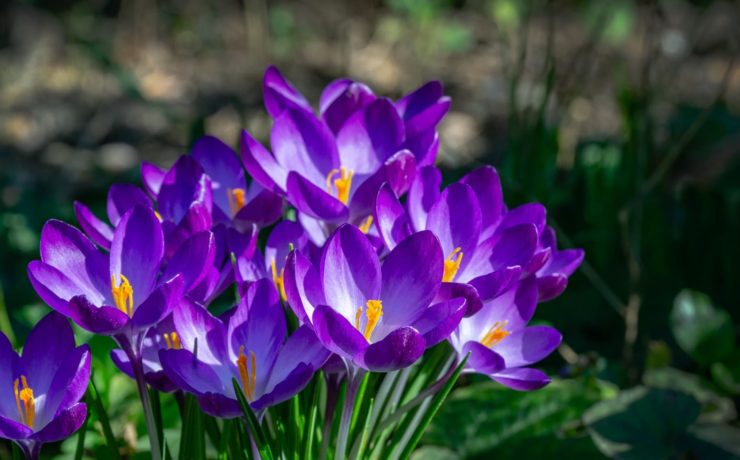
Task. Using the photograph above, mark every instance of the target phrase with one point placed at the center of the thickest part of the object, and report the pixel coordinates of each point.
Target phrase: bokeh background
(621, 116)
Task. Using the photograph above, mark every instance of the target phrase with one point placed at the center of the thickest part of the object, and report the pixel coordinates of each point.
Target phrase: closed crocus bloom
(552, 278)
(500, 343)
(40, 390)
(376, 316)
(253, 347)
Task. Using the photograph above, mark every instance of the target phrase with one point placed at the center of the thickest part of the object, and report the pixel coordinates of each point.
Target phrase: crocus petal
(412, 273)
(184, 184)
(492, 285)
(69, 251)
(522, 379)
(189, 373)
(350, 271)
(550, 286)
(194, 323)
(137, 250)
(390, 217)
(218, 405)
(369, 137)
(341, 99)
(160, 303)
(449, 291)
(152, 176)
(424, 146)
(423, 108)
(424, 192)
(301, 347)
(52, 286)
(398, 172)
(286, 388)
(220, 162)
(197, 218)
(261, 165)
(10, 429)
(437, 322)
(482, 359)
(279, 94)
(528, 345)
(98, 231)
(456, 220)
(511, 247)
(122, 198)
(401, 348)
(192, 259)
(314, 201)
(264, 209)
(67, 387)
(337, 334)
(122, 362)
(563, 262)
(9, 371)
(529, 213)
(46, 347)
(285, 236)
(99, 320)
(487, 187)
(302, 286)
(302, 143)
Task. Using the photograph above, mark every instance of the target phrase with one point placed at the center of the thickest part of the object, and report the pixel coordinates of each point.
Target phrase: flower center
(24, 395)
(342, 184)
(123, 295)
(373, 312)
(237, 199)
(365, 225)
(247, 375)
(172, 340)
(279, 280)
(452, 264)
(496, 334)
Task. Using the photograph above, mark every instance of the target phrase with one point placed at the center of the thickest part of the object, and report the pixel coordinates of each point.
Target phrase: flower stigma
(496, 334)
(343, 183)
(27, 410)
(237, 199)
(123, 295)
(249, 379)
(279, 280)
(366, 224)
(373, 312)
(172, 340)
(452, 264)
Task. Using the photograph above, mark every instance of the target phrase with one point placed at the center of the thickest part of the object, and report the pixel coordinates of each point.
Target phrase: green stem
(146, 403)
(353, 384)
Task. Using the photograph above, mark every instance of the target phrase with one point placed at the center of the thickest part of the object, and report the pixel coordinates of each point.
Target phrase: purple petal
(350, 271)
(160, 303)
(337, 334)
(522, 379)
(509, 248)
(52, 286)
(10, 429)
(301, 347)
(314, 201)
(280, 95)
(184, 185)
(456, 220)
(332, 91)
(302, 143)
(152, 176)
(46, 346)
(196, 219)
(437, 322)
(423, 108)
(487, 187)
(401, 348)
(318, 231)
(398, 171)
(98, 231)
(137, 250)
(264, 209)
(69, 251)
(261, 165)
(449, 291)
(369, 137)
(528, 345)
(68, 385)
(302, 286)
(122, 198)
(424, 147)
(285, 235)
(286, 388)
(424, 192)
(220, 162)
(482, 358)
(494, 284)
(218, 405)
(341, 99)
(390, 217)
(194, 323)
(192, 259)
(538, 260)
(530, 213)
(99, 320)
(412, 273)
(550, 286)
(189, 373)
(9, 371)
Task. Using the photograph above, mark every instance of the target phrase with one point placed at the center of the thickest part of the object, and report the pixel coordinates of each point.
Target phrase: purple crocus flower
(552, 278)
(122, 293)
(500, 343)
(253, 348)
(375, 316)
(41, 389)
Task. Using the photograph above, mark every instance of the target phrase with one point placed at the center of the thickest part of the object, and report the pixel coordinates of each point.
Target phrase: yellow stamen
(496, 334)
(172, 340)
(237, 199)
(365, 225)
(279, 280)
(123, 295)
(27, 411)
(452, 264)
(247, 376)
(159, 216)
(373, 312)
(343, 183)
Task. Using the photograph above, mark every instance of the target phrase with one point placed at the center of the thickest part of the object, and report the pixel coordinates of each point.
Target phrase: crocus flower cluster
(372, 259)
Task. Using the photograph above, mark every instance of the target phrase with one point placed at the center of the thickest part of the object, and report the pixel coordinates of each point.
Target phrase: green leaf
(192, 440)
(488, 420)
(80, 450)
(254, 426)
(713, 441)
(642, 423)
(110, 439)
(704, 332)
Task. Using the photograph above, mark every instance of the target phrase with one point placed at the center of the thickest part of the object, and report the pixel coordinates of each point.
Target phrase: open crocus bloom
(40, 390)
(122, 293)
(252, 348)
(500, 343)
(376, 317)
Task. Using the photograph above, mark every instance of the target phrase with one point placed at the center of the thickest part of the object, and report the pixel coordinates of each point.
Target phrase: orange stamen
(342, 184)
(123, 295)
(452, 264)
